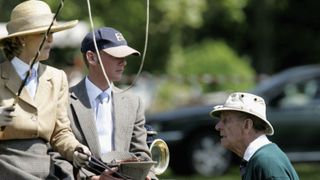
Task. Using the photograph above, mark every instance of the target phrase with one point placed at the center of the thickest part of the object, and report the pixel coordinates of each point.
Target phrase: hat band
(29, 23)
(244, 108)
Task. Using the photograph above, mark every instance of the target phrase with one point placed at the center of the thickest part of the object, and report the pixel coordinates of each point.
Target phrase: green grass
(306, 171)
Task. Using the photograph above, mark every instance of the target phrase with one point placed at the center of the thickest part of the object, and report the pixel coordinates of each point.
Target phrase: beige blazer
(43, 117)
(128, 118)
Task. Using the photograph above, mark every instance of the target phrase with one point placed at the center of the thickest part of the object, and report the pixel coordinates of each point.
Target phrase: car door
(294, 112)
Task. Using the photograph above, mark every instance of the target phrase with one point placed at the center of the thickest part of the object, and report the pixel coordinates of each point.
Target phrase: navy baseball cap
(110, 41)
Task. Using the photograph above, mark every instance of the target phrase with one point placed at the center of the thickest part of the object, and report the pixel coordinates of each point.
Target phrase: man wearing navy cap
(104, 117)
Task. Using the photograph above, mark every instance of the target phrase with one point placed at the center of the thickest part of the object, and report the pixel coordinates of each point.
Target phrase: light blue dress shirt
(22, 69)
(103, 115)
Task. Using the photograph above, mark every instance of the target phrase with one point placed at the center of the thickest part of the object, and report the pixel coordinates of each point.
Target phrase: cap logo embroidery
(119, 37)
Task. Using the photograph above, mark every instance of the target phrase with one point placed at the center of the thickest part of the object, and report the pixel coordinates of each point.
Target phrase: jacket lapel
(119, 117)
(85, 117)
(13, 82)
(44, 85)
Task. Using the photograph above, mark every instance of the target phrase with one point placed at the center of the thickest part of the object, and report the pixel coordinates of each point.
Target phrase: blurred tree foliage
(173, 24)
(210, 66)
(213, 39)
(214, 65)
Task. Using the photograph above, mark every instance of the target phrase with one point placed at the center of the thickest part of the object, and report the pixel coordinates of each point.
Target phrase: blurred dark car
(293, 108)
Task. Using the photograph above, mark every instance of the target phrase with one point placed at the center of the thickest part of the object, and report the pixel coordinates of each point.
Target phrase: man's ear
(95, 58)
(91, 57)
(248, 124)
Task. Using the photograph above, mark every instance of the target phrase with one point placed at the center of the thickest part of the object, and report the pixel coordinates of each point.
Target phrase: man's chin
(117, 79)
(223, 142)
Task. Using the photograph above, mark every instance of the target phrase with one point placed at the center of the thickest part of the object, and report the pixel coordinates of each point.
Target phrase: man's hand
(106, 175)
(81, 156)
(6, 115)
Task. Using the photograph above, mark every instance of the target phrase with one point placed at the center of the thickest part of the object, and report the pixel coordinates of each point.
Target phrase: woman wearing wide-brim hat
(37, 118)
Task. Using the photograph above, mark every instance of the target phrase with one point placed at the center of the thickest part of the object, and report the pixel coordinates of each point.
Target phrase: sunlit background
(198, 50)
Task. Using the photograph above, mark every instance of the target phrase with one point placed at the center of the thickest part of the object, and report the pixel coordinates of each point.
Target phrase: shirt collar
(255, 146)
(22, 68)
(93, 91)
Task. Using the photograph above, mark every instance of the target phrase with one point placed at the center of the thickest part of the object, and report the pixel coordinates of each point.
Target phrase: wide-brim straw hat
(247, 103)
(33, 17)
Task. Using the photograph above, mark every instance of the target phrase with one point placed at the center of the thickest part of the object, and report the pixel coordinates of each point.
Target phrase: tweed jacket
(43, 117)
(128, 118)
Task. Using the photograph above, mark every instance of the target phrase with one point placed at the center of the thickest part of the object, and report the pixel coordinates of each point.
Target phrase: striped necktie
(103, 97)
(31, 82)
(104, 122)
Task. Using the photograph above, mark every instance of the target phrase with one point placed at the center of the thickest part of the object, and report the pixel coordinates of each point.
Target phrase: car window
(297, 94)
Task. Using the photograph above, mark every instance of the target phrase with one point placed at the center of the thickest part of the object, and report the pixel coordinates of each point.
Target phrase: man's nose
(218, 126)
(123, 62)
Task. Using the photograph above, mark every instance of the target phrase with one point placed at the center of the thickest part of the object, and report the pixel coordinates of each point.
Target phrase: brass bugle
(160, 153)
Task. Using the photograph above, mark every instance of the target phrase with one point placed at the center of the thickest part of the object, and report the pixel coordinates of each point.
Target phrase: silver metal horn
(159, 151)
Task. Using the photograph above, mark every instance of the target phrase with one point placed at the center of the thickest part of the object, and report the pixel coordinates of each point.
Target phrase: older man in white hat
(243, 127)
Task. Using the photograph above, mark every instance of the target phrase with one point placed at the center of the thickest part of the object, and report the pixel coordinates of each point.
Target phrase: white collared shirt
(22, 69)
(93, 91)
(105, 126)
(255, 145)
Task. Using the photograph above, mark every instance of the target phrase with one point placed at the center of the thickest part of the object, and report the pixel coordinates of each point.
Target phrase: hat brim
(116, 155)
(55, 28)
(217, 112)
(121, 51)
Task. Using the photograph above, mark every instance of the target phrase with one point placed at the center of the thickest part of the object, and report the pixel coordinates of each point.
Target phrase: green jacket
(270, 163)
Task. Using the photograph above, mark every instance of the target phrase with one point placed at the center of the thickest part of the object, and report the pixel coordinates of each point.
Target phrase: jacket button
(34, 118)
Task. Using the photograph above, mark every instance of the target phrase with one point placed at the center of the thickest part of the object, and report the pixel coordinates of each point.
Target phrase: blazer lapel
(85, 117)
(119, 117)
(44, 85)
(13, 82)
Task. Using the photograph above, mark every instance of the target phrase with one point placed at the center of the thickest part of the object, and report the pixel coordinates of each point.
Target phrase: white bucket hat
(245, 102)
(32, 17)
